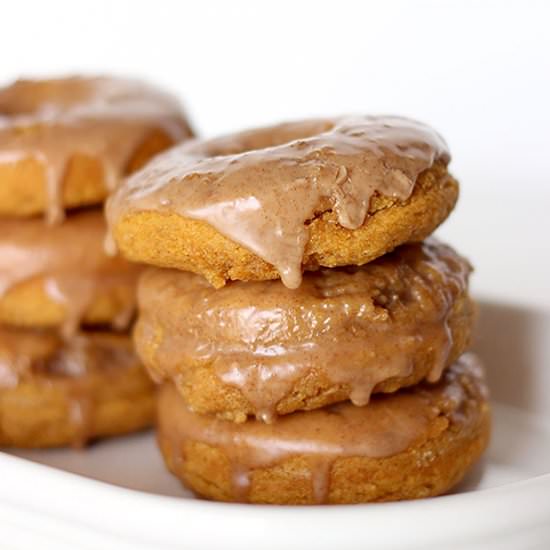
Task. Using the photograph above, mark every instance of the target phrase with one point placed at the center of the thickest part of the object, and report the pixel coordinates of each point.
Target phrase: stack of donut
(68, 372)
(309, 334)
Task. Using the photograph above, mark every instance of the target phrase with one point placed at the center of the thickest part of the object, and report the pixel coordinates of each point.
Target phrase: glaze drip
(355, 328)
(391, 424)
(68, 262)
(80, 364)
(102, 118)
(261, 188)
(27, 353)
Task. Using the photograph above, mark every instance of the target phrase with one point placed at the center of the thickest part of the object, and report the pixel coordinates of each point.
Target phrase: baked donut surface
(60, 275)
(416, 443)
(65, 142)
(55, 393)
(272, 202)
(261, 349)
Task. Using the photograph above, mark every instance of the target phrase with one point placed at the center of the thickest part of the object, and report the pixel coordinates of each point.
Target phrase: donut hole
(272, 136)
(155, 142)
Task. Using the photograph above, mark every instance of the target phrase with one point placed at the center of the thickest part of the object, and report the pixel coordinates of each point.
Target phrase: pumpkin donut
(272, 202)
(260, 349)
(55, 393)
(65, 142)
(60, 275)
(418, 442)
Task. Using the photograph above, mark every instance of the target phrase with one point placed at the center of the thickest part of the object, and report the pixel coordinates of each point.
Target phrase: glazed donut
(260, 349)
(65, 142)
(415, 443)
(55, 394)
(60, 275)
(271, 202)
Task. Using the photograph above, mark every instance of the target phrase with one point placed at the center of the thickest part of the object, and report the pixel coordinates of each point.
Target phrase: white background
(478, 71)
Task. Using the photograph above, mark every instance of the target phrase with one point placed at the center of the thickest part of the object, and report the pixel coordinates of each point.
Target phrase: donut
(259, 348)
(65, 142)
(55, 393)
(412, 444)
(60, 275)
(272, 202)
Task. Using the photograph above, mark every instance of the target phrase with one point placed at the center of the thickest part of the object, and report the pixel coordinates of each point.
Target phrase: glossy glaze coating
(263, 187)
(101, 118)
(57, 392)
(416, 426)
(342, 334)
(68, 261)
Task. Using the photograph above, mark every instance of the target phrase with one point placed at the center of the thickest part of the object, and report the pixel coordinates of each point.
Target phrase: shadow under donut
(513, 342)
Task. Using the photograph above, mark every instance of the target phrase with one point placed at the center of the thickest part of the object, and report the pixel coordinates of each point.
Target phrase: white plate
(119, 496)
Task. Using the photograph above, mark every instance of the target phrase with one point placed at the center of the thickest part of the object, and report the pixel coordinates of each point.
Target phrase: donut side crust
(29, 305)
(428, 468)
(23, 190)
(173, 241)
(205, 393)
(38, 412)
